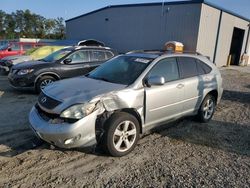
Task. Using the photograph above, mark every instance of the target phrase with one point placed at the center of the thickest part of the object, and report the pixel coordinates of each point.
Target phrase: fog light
(72, 140)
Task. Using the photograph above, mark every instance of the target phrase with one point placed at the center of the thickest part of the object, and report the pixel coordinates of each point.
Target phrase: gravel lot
(180, 154)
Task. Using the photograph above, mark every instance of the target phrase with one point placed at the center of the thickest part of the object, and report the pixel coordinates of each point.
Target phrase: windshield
(121, 70)
(4, 47)
(56, 55)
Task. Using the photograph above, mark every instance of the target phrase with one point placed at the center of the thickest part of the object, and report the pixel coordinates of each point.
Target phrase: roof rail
(162, 51)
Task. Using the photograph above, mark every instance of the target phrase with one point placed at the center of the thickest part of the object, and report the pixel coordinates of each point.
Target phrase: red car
(16, 48)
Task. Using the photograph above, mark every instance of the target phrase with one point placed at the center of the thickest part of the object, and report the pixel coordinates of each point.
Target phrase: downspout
(217, 37)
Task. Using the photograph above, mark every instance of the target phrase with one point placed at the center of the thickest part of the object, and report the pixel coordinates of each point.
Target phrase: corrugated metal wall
(142, 27)
(208, 32)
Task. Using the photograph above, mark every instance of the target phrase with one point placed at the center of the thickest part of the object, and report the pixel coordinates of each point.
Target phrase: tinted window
(187, 67)
(166, 68)
(109, 55)
(79, 57)
(202, 67)
(97, 56)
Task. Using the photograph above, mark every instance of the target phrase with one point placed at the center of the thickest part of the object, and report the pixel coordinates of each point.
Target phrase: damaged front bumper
(65, 135)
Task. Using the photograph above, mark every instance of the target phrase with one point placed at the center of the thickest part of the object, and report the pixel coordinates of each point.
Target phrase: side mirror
(9, 49)
(155, 81)
(67, 61)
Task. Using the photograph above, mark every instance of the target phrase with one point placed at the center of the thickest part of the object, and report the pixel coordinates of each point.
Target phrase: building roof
(165, 3)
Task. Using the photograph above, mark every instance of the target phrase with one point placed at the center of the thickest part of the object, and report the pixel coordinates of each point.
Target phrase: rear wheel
(207, 109)
(43, 82)
(121, 134)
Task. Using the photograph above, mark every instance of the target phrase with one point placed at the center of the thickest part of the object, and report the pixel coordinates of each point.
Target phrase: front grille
(47, 102)
(45, 115)
(53, 118)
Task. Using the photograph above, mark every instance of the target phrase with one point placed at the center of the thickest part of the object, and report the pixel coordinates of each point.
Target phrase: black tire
(202, 117)
(40, 82)
(115, 122)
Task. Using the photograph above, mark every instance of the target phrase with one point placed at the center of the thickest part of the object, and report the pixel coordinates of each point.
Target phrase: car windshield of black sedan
(56, 55)
(121, 70)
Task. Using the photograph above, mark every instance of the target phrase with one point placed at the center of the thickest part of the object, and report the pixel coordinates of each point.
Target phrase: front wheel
(121, 134)
(207, 109)
(43, 82)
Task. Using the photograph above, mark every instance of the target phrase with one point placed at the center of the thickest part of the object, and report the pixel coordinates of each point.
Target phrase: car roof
(75, 48)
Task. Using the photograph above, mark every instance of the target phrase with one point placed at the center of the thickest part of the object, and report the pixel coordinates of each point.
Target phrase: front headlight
(25, 71)
(78, 111)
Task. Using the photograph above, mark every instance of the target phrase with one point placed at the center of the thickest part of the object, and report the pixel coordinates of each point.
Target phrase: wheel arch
(134, 113)
(214, 93)
(54, 75)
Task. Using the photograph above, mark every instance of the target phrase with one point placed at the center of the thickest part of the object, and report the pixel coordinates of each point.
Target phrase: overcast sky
(71, 8)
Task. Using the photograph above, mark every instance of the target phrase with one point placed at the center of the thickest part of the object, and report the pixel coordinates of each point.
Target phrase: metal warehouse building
(199, 25)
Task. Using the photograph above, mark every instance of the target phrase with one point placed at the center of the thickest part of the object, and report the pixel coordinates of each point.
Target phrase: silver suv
(125, 97)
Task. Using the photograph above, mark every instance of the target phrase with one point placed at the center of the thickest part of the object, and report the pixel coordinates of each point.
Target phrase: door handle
(180, 86)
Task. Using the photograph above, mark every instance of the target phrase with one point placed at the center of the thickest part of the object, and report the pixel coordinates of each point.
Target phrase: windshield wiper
(98, 78)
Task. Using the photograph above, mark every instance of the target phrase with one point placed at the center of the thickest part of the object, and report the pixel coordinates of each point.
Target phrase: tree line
(25, 24)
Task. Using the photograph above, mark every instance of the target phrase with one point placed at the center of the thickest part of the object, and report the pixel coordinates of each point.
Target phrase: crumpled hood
(29, 64)
(79, 89)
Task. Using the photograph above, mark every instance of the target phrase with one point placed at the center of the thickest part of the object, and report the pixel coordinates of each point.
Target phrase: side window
(15, 47)
(202, 67)
(79, 57)
(166, 68)
(97, 56)
(187, 67)
(27, 46)
(109, 55)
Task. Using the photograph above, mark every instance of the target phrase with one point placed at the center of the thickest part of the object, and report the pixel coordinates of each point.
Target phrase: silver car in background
(125, 97)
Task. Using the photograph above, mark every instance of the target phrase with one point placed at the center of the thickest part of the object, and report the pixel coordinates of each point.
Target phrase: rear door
(164, 102)
(79, 65)
(193, 90)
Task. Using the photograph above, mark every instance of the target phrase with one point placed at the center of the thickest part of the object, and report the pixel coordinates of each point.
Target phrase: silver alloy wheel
(45, 82)
(124, 136)
(208, 109)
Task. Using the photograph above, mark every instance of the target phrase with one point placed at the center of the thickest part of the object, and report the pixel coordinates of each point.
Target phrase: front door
(164, 102)
(78, 64)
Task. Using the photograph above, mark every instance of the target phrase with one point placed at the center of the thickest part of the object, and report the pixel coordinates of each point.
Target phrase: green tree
(27, 24)
(2, 28)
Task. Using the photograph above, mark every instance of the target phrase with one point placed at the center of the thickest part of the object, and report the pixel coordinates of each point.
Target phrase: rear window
(202, 68)
(97, 56)
(109, 55)
(187, 67)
